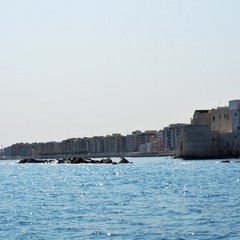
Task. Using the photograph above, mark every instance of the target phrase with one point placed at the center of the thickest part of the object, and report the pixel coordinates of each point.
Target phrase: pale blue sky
(72, 68)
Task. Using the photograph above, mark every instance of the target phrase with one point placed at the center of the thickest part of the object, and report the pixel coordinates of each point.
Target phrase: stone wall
(229, 144)
(198, 141)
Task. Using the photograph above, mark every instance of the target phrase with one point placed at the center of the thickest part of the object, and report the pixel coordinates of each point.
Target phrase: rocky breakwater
(74, 160)
(33, 160)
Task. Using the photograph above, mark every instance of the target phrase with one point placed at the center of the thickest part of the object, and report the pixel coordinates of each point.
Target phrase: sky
(81, 68)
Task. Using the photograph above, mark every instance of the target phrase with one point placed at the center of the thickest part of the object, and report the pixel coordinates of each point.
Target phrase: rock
(124, 161)
(60, 161)
(77, 160)
(29, 160)
(64, 161)
(95, 161)
(23, 161)
(106, 161)
(33, 160)
(225, 161)
(74, 160)
(87, 161)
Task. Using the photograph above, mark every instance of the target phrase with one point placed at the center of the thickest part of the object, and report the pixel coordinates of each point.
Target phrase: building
(171, 136)
(221, 120)
(213, 133)
(160, 141)
(137, 143)
(131, 143)
(96, 145)
(114, 143)
(234, 107)
(201, 117)
(69, 146)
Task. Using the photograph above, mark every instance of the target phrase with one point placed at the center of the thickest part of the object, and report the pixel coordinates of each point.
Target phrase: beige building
(213, 133)
(221, 120)
(201, 117)
(114, 143)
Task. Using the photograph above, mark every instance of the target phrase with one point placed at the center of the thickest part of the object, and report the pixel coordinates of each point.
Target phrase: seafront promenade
(136, 144)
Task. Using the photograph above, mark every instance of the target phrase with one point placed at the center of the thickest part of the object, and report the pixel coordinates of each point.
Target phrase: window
(213, 118)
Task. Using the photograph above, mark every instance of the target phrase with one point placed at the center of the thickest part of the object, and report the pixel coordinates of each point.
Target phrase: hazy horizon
(84, 68)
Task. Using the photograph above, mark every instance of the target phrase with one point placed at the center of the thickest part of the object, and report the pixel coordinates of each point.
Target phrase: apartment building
(96, 144)
(171, 134)
(114, 143)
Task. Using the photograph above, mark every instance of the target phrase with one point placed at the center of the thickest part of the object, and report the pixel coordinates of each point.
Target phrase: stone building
(213, 133)
(201, 117)
(234, 107)
(221, 120)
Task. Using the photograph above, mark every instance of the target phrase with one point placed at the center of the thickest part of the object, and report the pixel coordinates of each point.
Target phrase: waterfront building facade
(171, 134)
(133, 141)
(221, 120)
(213, 133)
(96, 145)
(114, 143)
(234, 107)
(147, 142)
(201, 117)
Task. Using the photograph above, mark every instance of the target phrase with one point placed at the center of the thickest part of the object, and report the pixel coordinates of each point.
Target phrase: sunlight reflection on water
(153, 198)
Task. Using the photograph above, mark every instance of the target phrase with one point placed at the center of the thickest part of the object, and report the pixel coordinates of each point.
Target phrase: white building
(171, 136)
(234, 107)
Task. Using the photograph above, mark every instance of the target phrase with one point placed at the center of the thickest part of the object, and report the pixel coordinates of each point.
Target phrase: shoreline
(93, 155)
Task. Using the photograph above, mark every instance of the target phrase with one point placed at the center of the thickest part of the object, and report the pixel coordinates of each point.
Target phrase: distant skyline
(83, 68)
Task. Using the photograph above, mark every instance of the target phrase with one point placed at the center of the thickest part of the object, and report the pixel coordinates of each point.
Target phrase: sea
(152, 198)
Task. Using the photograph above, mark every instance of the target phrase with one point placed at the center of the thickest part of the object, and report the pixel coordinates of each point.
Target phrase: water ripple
(153, 198)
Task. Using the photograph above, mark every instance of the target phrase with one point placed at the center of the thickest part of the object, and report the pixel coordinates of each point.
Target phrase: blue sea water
(153, 198)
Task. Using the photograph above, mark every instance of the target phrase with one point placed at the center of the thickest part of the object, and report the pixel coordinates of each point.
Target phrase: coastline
(94, 155)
